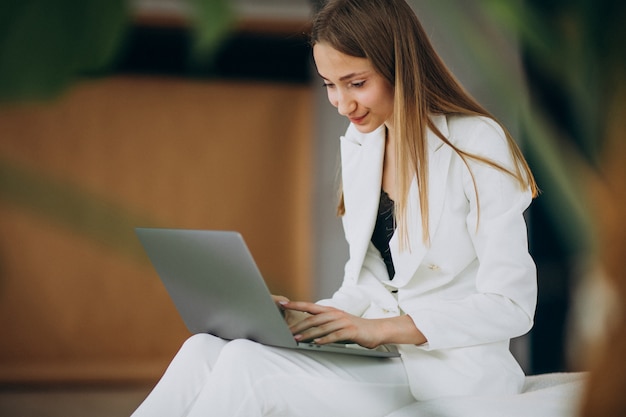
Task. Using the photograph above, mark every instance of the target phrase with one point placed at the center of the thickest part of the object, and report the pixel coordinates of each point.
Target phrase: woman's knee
(203, 346)
(198, 342)
(242, 348)
(245, 355)
(255, 360)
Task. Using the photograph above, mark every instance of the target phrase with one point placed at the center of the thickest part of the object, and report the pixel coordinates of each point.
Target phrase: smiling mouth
(358, 120)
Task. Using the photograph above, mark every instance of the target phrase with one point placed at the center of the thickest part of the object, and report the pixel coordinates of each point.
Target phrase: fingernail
(282, 303)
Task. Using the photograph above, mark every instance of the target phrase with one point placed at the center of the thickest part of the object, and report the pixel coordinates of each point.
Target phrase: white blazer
(469, 291)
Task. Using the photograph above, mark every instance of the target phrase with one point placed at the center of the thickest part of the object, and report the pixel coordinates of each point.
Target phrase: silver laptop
(218, 289)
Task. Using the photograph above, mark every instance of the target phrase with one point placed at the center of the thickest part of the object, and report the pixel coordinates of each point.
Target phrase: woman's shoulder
(462, 125)
(476, 134)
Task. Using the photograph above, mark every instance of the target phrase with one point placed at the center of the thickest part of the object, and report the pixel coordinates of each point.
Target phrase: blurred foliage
(574, 58)
(212, 21)
(574, 49)
(74, 208)
(45, 45)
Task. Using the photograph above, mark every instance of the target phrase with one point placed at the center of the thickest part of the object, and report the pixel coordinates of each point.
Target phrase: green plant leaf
(212, 21)
(46, 45)
(74, 208)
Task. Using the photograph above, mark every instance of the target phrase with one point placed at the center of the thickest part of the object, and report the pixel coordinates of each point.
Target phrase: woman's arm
(504, 275)
(328, 325)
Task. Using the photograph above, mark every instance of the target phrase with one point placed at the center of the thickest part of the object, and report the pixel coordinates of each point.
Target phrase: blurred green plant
(576, 46)
(574, 125)
(574, 58)
(212, 20)
(75, 209)
(45, 45)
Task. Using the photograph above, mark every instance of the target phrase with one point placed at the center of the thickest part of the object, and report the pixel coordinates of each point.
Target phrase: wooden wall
(79, 300)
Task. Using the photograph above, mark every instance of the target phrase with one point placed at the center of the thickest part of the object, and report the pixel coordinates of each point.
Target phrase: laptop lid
(215, 284)
(217, 288)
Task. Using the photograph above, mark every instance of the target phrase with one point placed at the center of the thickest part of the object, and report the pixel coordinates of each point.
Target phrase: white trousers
(212, 377)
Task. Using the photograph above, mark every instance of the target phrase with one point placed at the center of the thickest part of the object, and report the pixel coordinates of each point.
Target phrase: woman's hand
(329, 325)
(291, 316)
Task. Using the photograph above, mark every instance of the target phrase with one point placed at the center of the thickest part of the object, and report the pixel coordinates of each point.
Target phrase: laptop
(217, 288)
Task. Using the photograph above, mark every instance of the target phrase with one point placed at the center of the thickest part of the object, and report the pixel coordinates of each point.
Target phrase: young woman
(433, 195)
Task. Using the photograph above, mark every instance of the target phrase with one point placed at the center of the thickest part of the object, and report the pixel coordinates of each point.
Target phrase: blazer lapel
(362, 169)
(407, 261)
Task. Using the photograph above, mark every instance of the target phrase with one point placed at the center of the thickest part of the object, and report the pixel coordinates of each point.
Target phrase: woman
(433, 195)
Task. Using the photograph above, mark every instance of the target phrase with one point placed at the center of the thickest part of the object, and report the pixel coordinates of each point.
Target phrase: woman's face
(355, 88)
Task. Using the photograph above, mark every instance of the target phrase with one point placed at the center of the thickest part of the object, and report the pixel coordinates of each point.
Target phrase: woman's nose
(345, 105)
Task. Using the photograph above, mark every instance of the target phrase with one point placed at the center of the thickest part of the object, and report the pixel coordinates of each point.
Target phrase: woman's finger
(304, 306)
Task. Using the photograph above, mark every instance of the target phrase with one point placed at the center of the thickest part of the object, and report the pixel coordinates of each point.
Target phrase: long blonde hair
(389, 35)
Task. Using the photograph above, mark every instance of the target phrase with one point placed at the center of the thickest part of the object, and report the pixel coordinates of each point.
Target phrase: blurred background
(209, 115)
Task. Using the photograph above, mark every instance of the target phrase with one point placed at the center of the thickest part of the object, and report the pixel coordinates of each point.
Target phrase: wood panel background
(79, 300)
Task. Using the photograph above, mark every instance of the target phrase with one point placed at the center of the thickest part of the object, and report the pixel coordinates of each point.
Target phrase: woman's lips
(358, 120)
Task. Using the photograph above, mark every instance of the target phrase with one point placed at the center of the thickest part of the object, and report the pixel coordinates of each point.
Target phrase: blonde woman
(433, 195)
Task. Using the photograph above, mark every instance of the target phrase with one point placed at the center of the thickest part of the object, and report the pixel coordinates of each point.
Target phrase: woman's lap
(245, 378)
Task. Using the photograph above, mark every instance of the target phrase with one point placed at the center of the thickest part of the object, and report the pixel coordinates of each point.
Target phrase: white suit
(469, 292)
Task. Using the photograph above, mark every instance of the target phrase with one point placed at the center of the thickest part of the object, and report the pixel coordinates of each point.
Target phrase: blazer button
(434, 267)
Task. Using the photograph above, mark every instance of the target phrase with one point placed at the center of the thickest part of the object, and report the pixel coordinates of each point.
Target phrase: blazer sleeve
(502, 303)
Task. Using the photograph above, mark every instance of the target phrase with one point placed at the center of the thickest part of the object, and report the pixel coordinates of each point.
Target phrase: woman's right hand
(291, 316)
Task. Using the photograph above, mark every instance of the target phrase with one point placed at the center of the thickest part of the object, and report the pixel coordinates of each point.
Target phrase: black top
(383, 230)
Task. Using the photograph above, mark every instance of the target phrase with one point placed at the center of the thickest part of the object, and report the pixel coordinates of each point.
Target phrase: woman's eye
(327, 85)
(357, 84)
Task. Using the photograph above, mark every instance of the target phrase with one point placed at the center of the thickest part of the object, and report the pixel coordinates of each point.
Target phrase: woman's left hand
(329, 325)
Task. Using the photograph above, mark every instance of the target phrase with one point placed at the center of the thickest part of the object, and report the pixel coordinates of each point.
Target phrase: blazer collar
(407, 261)
(362, 162)
(362, 169)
